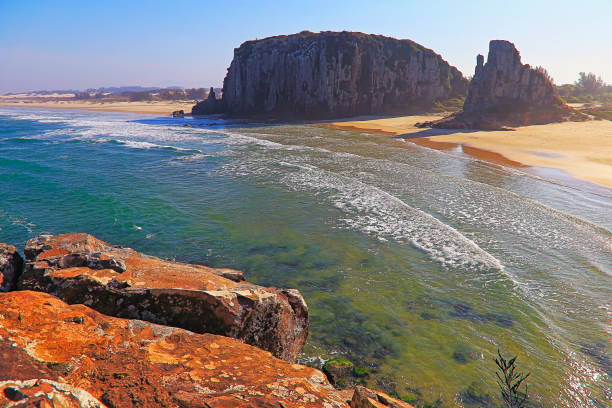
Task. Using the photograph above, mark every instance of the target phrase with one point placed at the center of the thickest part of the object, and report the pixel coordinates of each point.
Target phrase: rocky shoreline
(87, 324)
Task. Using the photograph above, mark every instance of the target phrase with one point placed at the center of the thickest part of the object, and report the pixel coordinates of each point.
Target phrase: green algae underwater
(417, 265)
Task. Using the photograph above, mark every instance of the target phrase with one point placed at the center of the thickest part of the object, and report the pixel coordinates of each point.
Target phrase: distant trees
(138, 96)
(196, 93)
(588, 88)
(590, 83)
(167, 94)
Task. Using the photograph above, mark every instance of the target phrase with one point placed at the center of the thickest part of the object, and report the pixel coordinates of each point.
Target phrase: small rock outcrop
(505, 92)
(366, 398)
(335, 74)
(42, 393)
(10, 267)
(208, 106)
(116, 281)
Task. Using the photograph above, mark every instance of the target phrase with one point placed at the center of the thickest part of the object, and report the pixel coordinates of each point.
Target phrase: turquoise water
(416, 264)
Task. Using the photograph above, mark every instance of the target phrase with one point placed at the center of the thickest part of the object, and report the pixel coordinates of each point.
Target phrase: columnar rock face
(506, 92)
(335, 74)
(504, 83)
(10, 266)
(79, 268)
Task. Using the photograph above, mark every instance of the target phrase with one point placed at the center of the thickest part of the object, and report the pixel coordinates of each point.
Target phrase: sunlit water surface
(416, 264)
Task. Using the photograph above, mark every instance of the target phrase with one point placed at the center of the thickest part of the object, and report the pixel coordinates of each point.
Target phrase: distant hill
(121, 89)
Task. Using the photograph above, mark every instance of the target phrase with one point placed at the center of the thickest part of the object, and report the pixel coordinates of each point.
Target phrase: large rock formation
(79, 268)
(336, 74)
(10, 266)
(131, 363)
(505, 92)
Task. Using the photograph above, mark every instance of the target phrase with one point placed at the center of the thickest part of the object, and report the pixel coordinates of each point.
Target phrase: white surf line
(444, 247)
(576, 220)
(513, 171)
(103, 128)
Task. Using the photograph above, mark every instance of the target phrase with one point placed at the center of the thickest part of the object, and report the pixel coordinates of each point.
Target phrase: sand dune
(582, 149)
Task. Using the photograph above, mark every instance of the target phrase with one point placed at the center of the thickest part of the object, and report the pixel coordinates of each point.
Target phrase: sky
(76, 44)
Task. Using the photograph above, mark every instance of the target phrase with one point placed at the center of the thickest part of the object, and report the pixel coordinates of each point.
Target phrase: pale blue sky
(63, 44)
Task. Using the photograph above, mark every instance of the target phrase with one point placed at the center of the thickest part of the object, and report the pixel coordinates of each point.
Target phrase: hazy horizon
(71, 45)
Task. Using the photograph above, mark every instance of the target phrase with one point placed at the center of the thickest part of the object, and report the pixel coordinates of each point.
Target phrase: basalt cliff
(333, 74)
(105, 326)
(505, 92)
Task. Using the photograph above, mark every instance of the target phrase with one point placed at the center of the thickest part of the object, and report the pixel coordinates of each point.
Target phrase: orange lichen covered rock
(116, 281)
(131, 363)
(10, 266)
(39, 393)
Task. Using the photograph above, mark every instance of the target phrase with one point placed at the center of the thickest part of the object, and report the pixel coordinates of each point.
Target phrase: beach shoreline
(146, 107)
(583, 150)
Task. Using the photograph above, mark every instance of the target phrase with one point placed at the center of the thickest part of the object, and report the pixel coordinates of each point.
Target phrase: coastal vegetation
(588, 88)
(510, 381)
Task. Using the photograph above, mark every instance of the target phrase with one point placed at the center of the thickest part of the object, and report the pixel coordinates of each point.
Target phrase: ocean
(416, 264)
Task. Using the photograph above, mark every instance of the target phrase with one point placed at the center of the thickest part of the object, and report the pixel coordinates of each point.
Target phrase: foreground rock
(42, 393)
(131, 363)
(10, 267)
(79, 268)
(504, 92)
(335, 74)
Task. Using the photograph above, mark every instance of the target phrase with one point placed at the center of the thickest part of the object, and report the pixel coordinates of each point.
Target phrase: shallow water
(416, 264)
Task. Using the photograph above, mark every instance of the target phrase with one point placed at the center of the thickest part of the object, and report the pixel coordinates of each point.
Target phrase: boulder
(366, 398)
(335, 74)
(344, 374)
(11, 264)
(132, 363)
(178, 114)
(41, 393)
(116, 281)
(505, 92)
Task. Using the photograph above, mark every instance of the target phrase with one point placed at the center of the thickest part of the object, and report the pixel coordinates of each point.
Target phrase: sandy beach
(153, 107)
(582, 149)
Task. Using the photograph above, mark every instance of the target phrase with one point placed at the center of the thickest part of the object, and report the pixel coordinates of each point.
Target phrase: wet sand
(582, 149)
(153, 107)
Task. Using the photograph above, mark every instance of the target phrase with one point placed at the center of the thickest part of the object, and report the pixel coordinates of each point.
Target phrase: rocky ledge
(505, 92)
(53, 354)
(116, 281)
(126, 363)
(333, 74)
